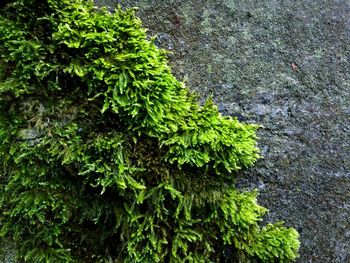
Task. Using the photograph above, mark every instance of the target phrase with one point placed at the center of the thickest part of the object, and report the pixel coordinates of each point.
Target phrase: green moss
(105, 156)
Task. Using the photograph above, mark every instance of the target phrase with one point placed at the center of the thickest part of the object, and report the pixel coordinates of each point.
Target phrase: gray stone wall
(285, 65)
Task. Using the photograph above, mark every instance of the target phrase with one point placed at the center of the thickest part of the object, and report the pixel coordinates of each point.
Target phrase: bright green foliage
(106, 157)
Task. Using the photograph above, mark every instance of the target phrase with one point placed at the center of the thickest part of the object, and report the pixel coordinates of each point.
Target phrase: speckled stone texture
(285, 65)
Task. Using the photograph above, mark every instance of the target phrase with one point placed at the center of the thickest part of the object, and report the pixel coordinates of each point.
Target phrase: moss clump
(106, 157)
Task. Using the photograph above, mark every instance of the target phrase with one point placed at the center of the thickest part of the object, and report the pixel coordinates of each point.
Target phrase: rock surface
(7, 252)
(285, 65)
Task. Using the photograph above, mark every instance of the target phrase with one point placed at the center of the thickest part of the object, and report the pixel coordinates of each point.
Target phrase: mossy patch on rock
(106, 156)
